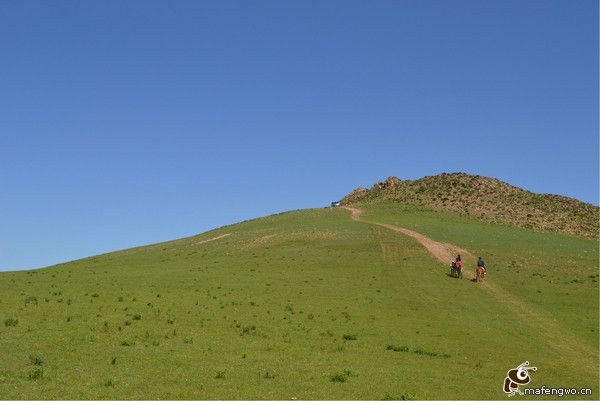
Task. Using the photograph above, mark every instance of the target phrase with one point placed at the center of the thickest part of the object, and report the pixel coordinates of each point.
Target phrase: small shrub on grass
(31, 300)
(137, 316)
(11, 322)
(113, 361)
(397, 348)
(108, 383)
(126, 343)
(248, 330)
(36, 373)
(127, 323)
(349, 336)
(37, 360)
(269, 375)
(220, 374)
(340, 377)
(405, 396)
(421, 351)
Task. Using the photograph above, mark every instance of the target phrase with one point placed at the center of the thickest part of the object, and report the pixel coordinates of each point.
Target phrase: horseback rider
(458, 261)
(481, 263)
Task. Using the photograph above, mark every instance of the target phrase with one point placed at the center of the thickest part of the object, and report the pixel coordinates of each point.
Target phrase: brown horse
(456, 269)
(480, 274)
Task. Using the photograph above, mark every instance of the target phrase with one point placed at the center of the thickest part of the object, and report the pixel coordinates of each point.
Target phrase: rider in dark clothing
(481, 263)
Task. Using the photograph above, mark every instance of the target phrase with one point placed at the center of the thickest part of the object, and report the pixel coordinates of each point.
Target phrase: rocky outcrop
(486, 198)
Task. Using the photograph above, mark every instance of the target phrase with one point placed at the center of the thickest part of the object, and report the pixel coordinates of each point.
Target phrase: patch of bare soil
(280, 237)
(260, 241)
(356, 213)
(211, 239)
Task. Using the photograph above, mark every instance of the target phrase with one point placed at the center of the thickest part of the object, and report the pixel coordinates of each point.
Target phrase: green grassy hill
(489, 199)
(306, 305)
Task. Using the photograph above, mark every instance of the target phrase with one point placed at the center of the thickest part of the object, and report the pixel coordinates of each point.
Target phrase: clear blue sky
(125, 123)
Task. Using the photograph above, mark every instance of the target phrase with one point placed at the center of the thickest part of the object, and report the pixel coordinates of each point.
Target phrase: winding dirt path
(548, 328)
(444, 252)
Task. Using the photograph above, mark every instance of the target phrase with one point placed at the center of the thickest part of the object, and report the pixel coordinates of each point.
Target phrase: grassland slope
(486, 198)
(310, 304)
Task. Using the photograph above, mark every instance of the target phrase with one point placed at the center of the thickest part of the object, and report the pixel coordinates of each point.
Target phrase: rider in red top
(459, 262)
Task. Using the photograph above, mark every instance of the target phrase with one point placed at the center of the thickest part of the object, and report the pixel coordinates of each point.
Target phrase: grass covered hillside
(307, 304)
(489, 199)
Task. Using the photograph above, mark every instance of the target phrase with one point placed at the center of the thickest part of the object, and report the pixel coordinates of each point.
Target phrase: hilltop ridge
(487, 198)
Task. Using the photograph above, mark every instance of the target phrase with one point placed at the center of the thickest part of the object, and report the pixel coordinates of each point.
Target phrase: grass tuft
(340, 377)
(36, 373)
(37, 360)
(269, 375)
(406, 396)
(398, 348)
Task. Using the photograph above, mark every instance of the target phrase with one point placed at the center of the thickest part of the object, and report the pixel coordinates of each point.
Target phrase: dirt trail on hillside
(443, 252)
(212, 239)
(567, 343)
